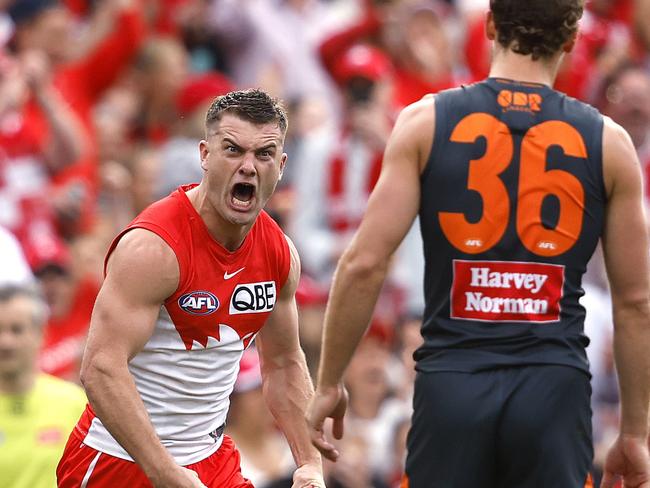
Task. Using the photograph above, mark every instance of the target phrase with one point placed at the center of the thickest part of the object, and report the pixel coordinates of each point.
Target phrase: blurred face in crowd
(427, 42)
(20, 337)
(145, 175)
(369, 105)
(243, 163)
(628, 103)
(49, 31)
(58, 289)
(367, 377)
(362, 92)
(162, 68)
(13, 88)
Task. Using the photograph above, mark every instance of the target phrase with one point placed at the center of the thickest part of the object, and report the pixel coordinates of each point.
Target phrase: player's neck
(231, 236)
(17, 384)
(512, 66)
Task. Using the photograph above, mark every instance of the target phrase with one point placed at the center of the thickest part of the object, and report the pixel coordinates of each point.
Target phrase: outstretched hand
(628, 460)
(327, 402)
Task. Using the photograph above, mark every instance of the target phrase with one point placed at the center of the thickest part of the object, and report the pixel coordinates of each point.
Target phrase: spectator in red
(45, 25)
(161, 69)
(33, 150)
(178, 156)
(414, 36)
(603, 42)
(337, 169)
(70, 295)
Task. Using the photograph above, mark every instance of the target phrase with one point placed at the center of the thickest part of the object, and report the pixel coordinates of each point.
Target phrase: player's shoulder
(166, 212)
(577, 109)
(615, 133)
(422, 113)
(141, 244)
(143, 263)
(620, 161)
(617, 143)
(417, 116)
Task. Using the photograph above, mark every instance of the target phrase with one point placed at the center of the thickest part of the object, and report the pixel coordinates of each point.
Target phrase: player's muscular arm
(142, 273)
(287, 386)
(625, 245)
(392, 207)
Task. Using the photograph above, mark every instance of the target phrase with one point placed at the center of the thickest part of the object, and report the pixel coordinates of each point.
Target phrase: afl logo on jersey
(199, 303)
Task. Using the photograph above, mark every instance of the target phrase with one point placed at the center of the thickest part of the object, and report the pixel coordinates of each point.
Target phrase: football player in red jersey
(190, 282)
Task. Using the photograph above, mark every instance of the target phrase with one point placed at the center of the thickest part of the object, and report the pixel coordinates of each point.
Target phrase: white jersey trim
(91, 468)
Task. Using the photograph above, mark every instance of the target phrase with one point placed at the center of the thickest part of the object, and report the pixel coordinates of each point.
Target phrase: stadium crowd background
(101, 109)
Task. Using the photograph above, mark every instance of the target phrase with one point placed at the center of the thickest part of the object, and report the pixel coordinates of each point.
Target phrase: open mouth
(242, 195)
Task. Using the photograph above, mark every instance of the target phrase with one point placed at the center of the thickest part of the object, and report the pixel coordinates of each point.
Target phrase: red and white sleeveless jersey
(186, 371)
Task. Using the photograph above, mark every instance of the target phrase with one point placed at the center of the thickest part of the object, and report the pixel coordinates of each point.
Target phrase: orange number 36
(535, 184)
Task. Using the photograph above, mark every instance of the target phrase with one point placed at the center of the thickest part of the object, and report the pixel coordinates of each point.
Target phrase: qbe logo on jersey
(502, 291)
(253, 298)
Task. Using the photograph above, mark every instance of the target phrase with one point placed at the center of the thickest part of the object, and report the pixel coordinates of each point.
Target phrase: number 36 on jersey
(535, 183)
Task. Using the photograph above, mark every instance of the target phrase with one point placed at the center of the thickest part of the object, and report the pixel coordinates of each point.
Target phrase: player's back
(512, 208)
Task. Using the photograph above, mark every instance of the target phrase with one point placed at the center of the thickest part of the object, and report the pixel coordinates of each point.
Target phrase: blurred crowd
(102, 105)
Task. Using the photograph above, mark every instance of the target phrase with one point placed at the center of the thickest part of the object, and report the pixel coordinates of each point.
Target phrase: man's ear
(204, 151)
(490, 28)
(283, 162)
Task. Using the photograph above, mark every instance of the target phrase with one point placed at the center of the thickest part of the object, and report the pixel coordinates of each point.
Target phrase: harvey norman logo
(501, 291)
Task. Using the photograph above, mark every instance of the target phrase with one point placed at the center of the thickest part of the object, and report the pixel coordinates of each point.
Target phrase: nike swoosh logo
(227, 276)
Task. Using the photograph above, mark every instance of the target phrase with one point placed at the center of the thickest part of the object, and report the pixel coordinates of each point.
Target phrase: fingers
(337, 428)
(316, 432)
(327, 449)
(330, 404)
(338, 414)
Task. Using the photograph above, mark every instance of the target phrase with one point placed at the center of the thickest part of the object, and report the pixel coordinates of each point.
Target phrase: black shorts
(523, 427)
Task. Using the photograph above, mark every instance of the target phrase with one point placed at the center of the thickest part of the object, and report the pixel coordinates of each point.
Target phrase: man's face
(58, 289)
(13, 88)
(50, 32)
(243, 162)
(628, 103)
(20, 337)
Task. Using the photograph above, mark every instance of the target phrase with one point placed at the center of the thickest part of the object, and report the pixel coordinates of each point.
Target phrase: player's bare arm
(625, 244)
(142, 272)
(287, 386)
(392, 207)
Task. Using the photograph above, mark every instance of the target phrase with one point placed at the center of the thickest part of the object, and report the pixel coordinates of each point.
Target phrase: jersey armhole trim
(165, 236)
(286, 261)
